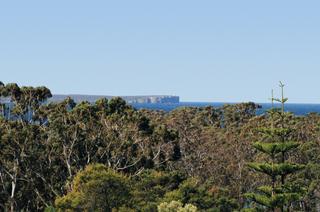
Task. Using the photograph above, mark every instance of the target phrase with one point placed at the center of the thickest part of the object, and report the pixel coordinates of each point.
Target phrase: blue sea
(297, 109)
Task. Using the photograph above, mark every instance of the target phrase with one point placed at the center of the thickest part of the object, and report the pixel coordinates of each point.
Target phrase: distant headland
(156, 99)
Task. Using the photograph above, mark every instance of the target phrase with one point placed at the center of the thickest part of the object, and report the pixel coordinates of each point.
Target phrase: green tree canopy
(96, 188)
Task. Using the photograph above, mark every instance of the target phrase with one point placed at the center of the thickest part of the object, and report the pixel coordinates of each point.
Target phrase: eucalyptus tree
(40, 158)
(32, 98)
(21, 145)
(13, 92)
(63, 134)
(97, 188)
(238, 114)
(130, 142)
(26, 100)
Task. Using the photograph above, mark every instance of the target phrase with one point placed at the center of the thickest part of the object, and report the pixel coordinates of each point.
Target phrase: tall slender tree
(280, 194)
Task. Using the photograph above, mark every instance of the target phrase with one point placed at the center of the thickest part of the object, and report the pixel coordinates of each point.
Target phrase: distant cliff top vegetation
(128, 99)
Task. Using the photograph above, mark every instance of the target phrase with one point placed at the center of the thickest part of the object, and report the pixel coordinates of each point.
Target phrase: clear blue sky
(202, 50)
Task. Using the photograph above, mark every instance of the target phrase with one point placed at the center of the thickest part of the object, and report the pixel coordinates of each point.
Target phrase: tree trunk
(13, 188)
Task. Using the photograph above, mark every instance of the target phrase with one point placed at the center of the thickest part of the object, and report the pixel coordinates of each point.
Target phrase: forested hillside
(109, 156)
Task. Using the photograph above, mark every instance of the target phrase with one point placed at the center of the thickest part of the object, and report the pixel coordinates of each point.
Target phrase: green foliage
(274, 170)
(95, 188)
(278, 195)
(50, 209)
(192, 192)
(273, 201)
(175, 206)
(275, 148)
(191, 155)
(150, 187)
